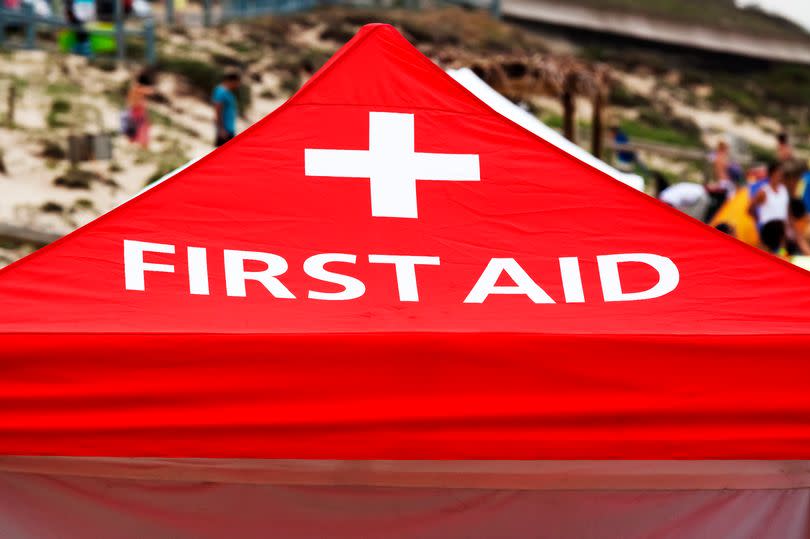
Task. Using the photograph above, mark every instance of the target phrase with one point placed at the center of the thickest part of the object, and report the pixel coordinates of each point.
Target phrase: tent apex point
(374, 25)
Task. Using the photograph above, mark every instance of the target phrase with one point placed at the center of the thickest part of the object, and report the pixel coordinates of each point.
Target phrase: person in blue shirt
(226, 106)
(625, 157)
(774, 169)
(806, 190)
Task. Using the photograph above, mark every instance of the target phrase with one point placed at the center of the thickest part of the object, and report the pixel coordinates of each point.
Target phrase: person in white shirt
(769, 206)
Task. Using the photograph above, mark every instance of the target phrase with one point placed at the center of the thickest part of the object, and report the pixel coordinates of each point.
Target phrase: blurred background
(697, 102)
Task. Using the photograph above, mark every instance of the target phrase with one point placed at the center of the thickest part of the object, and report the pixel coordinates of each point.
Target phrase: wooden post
(12, 98)
(170, 12)
(495, 8)
(149, 38)
(207, 13)
(30, 26)
(120, 36)
(2, 27)
(569, 115)
(596, 125)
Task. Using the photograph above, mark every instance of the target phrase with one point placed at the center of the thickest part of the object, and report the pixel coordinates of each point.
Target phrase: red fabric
(712, 369)
(405, 396)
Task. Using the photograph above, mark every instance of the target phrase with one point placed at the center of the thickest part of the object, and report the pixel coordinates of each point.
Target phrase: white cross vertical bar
(393, 186)
(392, 165)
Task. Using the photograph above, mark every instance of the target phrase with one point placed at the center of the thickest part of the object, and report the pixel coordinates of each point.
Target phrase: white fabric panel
(65, 507)
(528, 121)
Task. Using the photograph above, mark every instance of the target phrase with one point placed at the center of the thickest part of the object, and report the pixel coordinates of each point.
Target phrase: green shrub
(309, 60)
(663, 134)
(621, 96)
(173, 158)
(761, 154)
(739, 98)
(52, 150)
(83, 204)
(58, 108)
(244, 98)
(76, 178)
(555, 121)
(203, 76)
(290, 83)
(62, 88)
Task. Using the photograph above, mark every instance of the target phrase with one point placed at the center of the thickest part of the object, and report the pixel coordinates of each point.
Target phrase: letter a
(523, 283)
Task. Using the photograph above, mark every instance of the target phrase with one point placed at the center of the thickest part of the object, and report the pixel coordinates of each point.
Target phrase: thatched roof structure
(520, 75)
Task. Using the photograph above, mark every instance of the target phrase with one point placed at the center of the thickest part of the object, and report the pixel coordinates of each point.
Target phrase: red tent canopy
(318, 289)
(385, 268)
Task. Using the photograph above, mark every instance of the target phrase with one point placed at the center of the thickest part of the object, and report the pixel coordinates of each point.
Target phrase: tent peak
(378, 25)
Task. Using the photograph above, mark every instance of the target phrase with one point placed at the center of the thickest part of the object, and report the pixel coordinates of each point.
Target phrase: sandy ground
(716, 124)
(27, 186)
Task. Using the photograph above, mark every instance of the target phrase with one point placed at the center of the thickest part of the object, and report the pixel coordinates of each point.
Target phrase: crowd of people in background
(777, 203)
(774, 197)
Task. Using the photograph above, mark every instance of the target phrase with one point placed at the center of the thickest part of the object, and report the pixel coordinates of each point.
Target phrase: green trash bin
(102, 38)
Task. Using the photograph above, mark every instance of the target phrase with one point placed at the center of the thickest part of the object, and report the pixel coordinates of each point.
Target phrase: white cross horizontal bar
(392, 165)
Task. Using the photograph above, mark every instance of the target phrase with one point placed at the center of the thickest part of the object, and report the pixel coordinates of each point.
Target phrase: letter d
(668, 276)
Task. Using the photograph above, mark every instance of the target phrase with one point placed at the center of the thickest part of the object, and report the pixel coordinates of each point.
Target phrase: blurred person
(136, 124)
(180, 7)
(722, 182)
(735, 212)
(798, 220)
(226, 106)
(804, 189)
(660, 182)
(758, 181)
(625, 157)
(793, 171)
(769, 206)
(772, 237)
(756, 173)
(720, 161)
(77, 14)
(784, 151)
(796, 242)
(722, 185)
(725, 228)
(688, 197)
(105, 9)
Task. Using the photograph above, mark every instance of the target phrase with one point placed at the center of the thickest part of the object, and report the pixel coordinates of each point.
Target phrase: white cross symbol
(391, 165)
